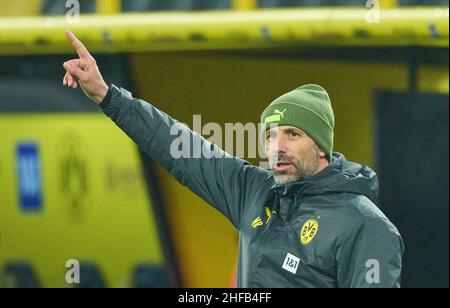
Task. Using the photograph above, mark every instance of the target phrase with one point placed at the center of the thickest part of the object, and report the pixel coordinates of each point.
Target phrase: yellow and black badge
(308, 231)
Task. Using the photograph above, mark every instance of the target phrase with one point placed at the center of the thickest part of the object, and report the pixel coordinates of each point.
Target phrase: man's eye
(294, 134)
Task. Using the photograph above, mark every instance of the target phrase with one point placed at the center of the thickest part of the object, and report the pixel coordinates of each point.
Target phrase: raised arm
(227, 183)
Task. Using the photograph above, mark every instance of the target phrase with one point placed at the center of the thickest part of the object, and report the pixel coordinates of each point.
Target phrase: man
(310, 221)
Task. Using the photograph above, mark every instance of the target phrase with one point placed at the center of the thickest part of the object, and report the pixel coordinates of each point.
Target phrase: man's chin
(283, 178)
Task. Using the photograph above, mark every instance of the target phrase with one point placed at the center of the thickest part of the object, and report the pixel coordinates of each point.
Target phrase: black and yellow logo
(309, 231)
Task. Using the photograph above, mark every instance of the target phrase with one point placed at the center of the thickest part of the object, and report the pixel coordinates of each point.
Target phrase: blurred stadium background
(73, 186)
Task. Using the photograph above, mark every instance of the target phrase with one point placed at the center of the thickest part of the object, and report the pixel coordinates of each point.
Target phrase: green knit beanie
(308, 108)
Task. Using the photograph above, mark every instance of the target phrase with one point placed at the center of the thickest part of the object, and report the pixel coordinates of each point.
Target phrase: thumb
(75, 71)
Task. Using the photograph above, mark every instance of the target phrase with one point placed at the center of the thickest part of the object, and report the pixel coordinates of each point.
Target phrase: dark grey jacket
(324, 231)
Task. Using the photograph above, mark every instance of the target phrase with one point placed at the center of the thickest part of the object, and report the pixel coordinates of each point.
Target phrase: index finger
(79, 47)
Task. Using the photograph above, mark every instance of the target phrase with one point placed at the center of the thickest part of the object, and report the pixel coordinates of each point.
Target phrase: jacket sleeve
(225, 182)
(374, 259)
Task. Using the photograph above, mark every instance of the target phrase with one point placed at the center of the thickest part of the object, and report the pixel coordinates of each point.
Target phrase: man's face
(293, 155)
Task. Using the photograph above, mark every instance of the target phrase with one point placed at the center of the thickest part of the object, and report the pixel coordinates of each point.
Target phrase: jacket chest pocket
(280, 259)
(278, 268)
(275, 259)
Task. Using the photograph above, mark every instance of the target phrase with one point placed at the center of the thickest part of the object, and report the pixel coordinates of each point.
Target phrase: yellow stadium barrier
(229, 30)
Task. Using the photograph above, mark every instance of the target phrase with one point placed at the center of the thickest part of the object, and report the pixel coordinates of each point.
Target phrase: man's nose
(278, 147)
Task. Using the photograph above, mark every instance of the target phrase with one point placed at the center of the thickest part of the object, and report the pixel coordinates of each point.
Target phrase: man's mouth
(282, 166)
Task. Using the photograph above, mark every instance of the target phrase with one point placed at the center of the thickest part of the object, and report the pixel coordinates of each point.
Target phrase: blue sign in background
(29, 176)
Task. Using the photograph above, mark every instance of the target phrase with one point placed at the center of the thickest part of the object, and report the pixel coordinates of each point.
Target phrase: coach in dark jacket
(309, 221)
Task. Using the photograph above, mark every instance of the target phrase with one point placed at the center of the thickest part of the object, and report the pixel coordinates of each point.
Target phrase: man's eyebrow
(293, 130)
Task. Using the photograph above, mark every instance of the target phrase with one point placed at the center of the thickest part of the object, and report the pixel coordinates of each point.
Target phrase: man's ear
(322, 154)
